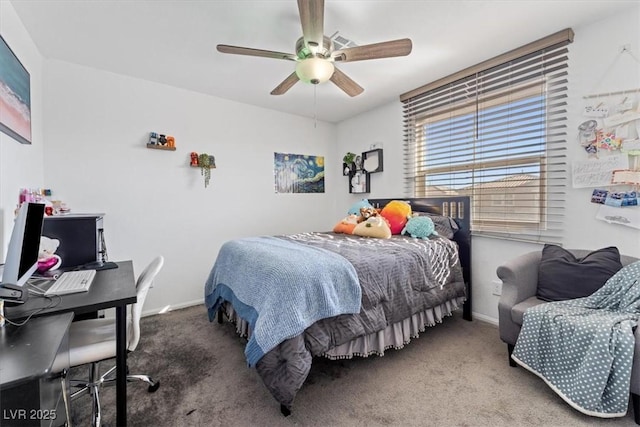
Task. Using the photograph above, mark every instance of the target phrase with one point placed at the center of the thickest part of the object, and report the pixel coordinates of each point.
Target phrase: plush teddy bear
(420, 227)
(366, 213)
(47, 258)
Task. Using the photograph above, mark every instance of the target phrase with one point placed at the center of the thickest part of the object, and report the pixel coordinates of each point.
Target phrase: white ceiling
(173, 42)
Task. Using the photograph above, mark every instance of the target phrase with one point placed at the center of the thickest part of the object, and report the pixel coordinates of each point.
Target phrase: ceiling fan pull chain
(315, 107)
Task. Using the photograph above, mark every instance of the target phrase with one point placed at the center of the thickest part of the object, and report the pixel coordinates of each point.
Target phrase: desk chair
(94, 340)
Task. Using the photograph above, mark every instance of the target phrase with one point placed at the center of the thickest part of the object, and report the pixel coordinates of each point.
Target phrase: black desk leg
(121, 366)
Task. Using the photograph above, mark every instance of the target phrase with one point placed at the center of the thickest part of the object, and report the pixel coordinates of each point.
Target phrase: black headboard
(459, 209)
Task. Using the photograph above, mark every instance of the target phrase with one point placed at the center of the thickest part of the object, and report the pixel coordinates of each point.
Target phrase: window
(496, 132)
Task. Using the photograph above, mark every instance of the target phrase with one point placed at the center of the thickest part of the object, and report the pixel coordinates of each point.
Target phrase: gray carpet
(454, 374)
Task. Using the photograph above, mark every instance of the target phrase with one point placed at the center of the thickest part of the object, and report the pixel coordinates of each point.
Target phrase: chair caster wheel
(154, 387)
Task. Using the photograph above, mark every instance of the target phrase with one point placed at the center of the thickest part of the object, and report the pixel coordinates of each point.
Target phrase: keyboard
(71, 282)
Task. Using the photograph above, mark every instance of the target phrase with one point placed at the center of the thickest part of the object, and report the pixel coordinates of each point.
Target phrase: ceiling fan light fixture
(314, 70)
(315, 53)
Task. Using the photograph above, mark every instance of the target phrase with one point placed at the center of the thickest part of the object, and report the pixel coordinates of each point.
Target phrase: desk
(33, 361)
(110, 288)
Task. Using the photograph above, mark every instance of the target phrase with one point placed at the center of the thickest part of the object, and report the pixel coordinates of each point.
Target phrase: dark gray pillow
(562, 276)
(444, 225)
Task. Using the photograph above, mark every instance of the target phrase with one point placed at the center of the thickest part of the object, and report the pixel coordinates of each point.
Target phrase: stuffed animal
(366, 213)
(375, 226)
(355, 208)
(420, 227)
(346, 225)
(47, 258)
(396, 212)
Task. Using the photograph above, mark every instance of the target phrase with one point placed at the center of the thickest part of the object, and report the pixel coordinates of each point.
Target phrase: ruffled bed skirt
(395, 336)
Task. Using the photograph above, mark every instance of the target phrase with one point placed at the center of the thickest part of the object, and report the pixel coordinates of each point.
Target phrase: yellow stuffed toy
(397, 212)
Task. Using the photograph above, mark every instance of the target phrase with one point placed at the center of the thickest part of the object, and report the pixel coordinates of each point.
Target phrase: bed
(334, 295)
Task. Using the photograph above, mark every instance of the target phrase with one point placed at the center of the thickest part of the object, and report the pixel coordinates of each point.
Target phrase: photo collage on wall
(610, 137)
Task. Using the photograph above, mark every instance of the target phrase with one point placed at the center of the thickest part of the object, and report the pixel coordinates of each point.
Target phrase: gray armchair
(519, 287)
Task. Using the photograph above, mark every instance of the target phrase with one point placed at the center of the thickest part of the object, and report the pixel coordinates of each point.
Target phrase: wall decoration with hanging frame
(363, 165)
(372, 161)
(359, 182)
(610, 136)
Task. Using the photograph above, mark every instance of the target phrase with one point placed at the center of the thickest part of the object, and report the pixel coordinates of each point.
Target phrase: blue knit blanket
(280, 288)
(583, 348)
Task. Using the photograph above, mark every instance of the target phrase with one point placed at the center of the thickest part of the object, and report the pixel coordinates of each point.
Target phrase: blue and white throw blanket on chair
(280, 288)
(583, 348)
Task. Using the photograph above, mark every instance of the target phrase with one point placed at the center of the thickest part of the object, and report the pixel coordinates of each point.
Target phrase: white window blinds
(496, 132)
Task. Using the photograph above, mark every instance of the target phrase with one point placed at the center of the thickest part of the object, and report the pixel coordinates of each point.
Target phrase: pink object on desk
(49, 263)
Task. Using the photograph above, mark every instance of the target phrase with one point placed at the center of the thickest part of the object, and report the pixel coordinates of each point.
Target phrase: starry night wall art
(298, 173)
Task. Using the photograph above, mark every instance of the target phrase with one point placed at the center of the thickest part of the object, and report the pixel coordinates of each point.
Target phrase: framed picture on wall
(15, 96)
(298, 173)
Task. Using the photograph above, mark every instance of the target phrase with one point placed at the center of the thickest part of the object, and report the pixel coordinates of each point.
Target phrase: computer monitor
(22, 254)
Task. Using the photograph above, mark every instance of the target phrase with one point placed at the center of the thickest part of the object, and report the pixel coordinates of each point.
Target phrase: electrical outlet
(497, 287)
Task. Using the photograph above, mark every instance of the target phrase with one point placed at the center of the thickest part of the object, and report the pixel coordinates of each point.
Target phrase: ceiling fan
(315, 54)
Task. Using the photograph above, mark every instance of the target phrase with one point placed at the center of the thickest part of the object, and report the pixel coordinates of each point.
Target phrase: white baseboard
(174, 307)
(483, 318)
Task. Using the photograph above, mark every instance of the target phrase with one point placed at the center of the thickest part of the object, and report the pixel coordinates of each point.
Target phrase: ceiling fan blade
(236, 50)
(345, 83)
(312, 20)
(286, 84)
(401, 47)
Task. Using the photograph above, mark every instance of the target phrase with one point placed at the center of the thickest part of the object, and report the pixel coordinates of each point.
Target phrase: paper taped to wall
(597, 172)
(625, 176)
(623, 216)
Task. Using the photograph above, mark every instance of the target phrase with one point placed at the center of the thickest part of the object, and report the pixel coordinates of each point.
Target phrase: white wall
(381, 127)
(97, 125)
(20, 164)
(90, 150)
(610, 71)
(596, 66)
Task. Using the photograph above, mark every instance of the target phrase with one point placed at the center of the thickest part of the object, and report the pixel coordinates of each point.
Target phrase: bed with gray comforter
(292, 315)
(307, 295)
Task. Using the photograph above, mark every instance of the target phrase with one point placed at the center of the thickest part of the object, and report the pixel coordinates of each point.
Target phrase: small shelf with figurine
(161, 142)
(202, 160)
(205, 162)
(161, 147)
(359, 168)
